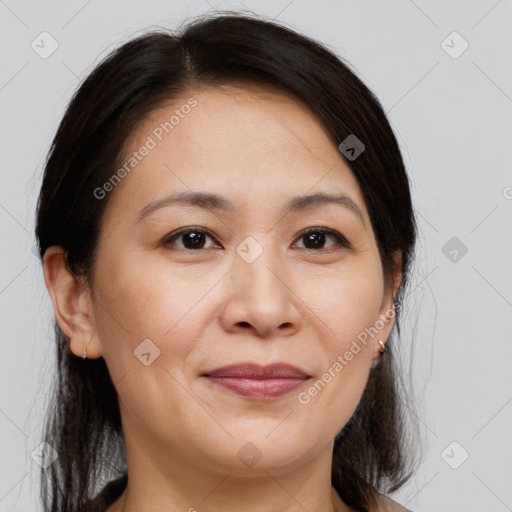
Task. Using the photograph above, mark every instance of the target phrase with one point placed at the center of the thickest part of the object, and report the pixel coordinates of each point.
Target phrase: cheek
(347, 302)
(138, 302)
(346, 355)
(146, 300)
(348, 305)
(139, 299)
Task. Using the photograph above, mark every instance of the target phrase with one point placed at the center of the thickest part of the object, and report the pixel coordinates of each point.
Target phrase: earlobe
(71, 303)
(387, 313)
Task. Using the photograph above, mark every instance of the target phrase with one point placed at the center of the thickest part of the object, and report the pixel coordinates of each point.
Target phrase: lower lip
(259, 389)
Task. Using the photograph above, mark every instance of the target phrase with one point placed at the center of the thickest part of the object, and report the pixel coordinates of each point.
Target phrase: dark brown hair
(373, 452)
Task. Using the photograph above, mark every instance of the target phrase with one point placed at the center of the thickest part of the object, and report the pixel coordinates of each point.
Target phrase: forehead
(246, 112)
(235, 140)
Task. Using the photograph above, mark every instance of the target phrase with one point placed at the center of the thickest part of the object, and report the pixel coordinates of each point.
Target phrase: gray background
(452, 117)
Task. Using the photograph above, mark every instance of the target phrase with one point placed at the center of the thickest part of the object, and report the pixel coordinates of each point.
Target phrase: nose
(260, 298)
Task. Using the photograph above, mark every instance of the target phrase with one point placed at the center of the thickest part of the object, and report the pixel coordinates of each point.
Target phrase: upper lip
(256, 371)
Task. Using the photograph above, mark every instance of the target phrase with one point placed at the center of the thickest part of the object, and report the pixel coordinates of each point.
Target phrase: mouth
(258, 382)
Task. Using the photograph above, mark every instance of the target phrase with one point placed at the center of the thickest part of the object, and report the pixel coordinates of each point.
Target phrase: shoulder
(386, 504)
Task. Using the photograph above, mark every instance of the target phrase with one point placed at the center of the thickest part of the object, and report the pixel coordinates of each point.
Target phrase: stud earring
(383, 348)
(85, 353)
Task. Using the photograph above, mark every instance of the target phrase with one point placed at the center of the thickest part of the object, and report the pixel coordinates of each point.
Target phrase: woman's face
(170, 304)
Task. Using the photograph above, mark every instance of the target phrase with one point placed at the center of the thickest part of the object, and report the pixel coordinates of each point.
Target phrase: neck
(159, 481)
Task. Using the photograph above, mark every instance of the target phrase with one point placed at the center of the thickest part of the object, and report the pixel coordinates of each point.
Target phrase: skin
(206, 308)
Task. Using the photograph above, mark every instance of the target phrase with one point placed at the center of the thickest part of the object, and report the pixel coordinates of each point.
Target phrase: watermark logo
(454, 249)
(249, 454)
(454, 455)
(146, 352)
(44, 455)
(351, 147)
(249, 249)
(44, 45)
(454, 45)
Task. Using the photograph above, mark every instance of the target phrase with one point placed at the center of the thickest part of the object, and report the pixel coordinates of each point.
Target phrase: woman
(226, 231)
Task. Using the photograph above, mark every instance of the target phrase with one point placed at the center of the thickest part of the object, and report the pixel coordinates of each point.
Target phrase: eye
(315, 238)
(192, 238)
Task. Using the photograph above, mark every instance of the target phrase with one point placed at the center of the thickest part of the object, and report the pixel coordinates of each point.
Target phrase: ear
(72, 303)
(386, 319)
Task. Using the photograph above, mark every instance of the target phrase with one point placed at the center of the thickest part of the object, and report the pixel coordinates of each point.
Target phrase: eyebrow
(219, 203)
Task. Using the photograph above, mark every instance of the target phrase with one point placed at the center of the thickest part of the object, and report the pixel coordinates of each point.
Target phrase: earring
(383, 349)
(85, 353)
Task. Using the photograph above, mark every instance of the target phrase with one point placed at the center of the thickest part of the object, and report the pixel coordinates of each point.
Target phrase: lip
(256, 371)
(258, 382)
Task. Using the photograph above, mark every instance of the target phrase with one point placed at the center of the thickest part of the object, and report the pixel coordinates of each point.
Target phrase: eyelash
(342, 241)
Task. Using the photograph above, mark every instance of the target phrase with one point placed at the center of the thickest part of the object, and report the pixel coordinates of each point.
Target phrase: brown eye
(315, 238)
(190, 238)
